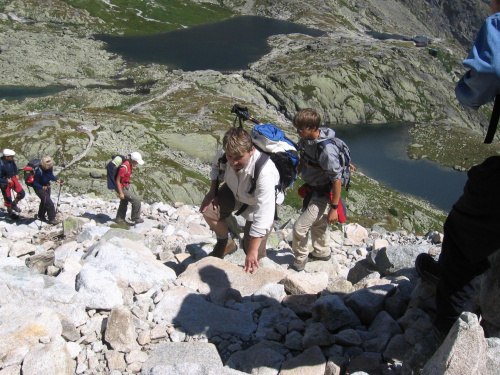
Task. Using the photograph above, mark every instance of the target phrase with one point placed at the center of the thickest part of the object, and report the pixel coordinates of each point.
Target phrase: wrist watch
(335, 206)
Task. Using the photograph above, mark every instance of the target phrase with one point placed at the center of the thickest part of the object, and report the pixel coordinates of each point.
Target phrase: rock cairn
(91, 297)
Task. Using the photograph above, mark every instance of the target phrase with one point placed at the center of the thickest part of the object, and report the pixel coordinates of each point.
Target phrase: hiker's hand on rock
(251, 262)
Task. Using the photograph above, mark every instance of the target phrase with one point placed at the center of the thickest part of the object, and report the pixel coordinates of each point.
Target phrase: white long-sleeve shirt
(262, 202)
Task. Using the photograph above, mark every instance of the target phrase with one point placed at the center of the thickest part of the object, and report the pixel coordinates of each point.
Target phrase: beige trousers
(312, 220)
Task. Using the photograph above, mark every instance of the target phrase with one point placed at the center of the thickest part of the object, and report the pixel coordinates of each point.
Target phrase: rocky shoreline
(91, 297)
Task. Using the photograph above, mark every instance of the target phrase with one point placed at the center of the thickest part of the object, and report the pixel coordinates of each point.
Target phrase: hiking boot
(54, 222)
(15, 207)
(41, 218)
(222, 248)
(299, 265)
(427, 268)
(138, 221)
(14, 216)
(312, 257)
(123, 221)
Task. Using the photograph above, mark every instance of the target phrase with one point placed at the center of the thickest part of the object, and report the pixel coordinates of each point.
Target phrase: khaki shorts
(226, 204)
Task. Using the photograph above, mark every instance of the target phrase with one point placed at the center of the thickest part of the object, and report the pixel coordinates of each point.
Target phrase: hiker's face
(306, 133)
(238, 162)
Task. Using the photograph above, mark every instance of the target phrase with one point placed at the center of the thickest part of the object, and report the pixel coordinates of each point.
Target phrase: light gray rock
(21, 285)
(91, 232)
(305, 283)
(130, 261)
(53, 358)
(316, 334)
(355, 233)
(348, 337)
(490, 307)
(270, 292)
(333, 313)
(11, 370)
(22, 328)
(20, 248)
(167, 357)
(493, 355)
(98, 287)
(310, 362)
(263, 358)
(120, 330)
(272, 317)
(40, 262)
(116, 361)
(190, 310)
(464, 350)
(397, 260)
(212, 272)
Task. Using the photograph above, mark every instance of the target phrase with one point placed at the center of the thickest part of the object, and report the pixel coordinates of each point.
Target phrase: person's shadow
(205, 313)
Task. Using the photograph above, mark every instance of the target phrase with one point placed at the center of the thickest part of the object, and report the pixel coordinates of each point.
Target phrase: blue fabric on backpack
(274, 133)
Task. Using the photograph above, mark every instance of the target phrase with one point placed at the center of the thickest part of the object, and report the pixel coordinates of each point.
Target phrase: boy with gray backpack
(325, 162)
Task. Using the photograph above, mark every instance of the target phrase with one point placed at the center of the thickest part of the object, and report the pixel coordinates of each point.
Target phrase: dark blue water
(21, 92)
(380, 151)
(226, 45)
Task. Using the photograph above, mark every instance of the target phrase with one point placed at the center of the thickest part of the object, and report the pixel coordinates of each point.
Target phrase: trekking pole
(58, 196)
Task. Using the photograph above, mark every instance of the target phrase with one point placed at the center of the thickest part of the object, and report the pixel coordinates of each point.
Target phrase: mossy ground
(454, 147)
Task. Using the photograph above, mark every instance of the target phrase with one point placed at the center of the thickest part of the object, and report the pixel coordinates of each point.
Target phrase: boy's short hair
(237, 141)
(307, 118)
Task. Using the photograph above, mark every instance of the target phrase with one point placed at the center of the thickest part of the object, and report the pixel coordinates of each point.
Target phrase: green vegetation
(448, 60)
(129, 17)
(450, 146)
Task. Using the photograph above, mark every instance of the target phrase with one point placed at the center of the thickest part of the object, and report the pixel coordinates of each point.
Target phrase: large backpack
(112, 170)
(344, 158)
(29, 172)
(272, 142)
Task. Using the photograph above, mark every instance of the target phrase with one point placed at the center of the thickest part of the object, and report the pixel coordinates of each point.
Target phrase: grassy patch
(129, 17)
(454, 147)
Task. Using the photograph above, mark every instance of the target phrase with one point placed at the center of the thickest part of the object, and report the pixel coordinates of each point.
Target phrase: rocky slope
(90, 297)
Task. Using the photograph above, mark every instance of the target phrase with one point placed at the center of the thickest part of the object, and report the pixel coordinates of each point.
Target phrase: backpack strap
(495, 116)
(263, 158)
(314, 163)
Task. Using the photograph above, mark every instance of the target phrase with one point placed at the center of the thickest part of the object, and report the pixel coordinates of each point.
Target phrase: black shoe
(311, 256)
(15, 207)
(427, 268)
(37, 217)
(14, 216)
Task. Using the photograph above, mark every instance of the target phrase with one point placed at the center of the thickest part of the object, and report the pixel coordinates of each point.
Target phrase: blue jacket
(8, 169)
(43, 178)
(481, 83)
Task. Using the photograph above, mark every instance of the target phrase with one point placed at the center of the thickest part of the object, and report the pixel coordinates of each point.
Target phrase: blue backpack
(274, 145)
(112, 170)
